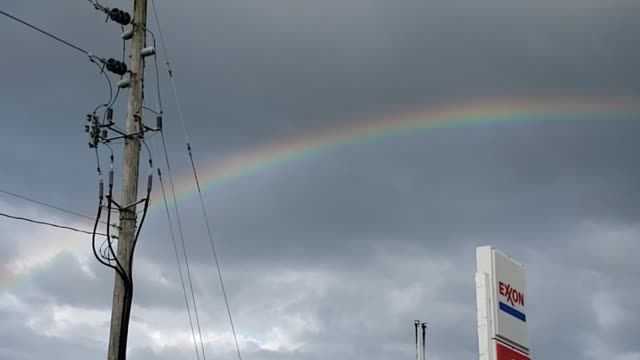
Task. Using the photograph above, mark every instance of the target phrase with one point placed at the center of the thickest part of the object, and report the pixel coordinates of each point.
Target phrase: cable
(93, 242)
(108, 103)
(144, 215)
(169, 70)
(124, 51)
(151, 110)
(184, 248)
(155, 60)
(97, 5)
(175, 249)
(195, 174)
(47, 33)
(215, 254)
(126, 278)
(52, 206)
(48, 224)
(148, 152)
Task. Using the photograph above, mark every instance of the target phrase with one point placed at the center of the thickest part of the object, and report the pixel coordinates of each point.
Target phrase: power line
(195, 175)
(52, 206)
(184, 248)
(175, 249)
(47, 33)
(49, 224)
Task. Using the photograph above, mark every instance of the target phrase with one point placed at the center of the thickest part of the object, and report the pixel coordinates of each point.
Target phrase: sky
(332, 255)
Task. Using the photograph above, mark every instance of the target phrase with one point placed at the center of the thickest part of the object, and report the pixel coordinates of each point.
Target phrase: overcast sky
(333, 256)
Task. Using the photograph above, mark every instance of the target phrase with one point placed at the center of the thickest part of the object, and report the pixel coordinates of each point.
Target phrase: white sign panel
(509, 288)
(501, 299)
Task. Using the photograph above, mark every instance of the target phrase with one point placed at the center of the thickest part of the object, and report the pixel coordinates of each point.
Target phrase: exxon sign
(509, 298)
(502, 301)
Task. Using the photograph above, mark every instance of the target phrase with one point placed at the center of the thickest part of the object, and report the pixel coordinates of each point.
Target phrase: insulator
(104, 134)
(119, 16)
(116, 67)
(109, 114)
(110, 177)
(159, 122)
(149, 182)
(101, 189)
(127, 34)
(148, 51)
(124, 83)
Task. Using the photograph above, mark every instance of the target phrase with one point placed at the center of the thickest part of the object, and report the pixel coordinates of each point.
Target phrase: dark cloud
(335, 255)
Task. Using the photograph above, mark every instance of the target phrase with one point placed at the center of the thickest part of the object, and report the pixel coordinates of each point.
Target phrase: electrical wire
(103, 251)
(215, 254)
(108, 103)
(184, 248)
(195, 174)
(124, 276)
(118, 267)
(47, 33)
(97, 6)
(124, 51)
(64, 227)
(93, 243)
(151, 110)
(157, 71)
(175, 249)
(52, 206)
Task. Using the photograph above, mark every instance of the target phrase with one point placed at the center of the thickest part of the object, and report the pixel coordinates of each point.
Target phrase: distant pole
(121, 306)
(424, 341)
(415, 324)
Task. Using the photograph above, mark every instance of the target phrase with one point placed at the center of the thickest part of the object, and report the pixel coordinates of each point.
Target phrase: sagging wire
(112, 102)
(103, 260)
(26, 23)
(121, 270)
(151, 110)
(184, 248)
(159, 113)
(195, 174)
(179, 222)
(108, 255)
(175, 249)
(157, 72)
(92, 59)
(97, 6)
(46, 223)
(124, 52)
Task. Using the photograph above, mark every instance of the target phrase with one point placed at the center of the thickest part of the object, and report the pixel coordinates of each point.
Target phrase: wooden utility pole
(121, 306)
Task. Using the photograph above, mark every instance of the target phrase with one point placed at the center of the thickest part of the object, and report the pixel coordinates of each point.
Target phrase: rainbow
(452, 115)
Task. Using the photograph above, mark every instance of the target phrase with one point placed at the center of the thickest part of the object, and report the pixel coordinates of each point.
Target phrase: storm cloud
(335, 254)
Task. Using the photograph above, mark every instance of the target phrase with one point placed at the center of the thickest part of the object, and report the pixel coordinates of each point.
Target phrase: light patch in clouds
(38, 246)
(607, 312)
(67, 321)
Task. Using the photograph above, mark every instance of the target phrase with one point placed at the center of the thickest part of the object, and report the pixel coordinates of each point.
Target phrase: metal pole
(415, 324)
(424, 341)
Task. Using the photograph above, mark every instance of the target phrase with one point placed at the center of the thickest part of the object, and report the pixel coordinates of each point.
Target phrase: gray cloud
(336, 254)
